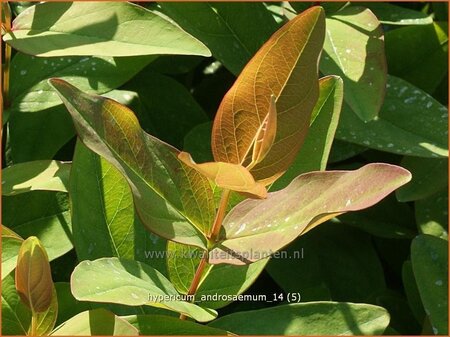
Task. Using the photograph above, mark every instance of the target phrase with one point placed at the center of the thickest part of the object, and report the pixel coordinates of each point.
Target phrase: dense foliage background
(362, 257)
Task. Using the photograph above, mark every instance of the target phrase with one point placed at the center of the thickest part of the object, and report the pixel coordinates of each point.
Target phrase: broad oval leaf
(131, 283)
(229, 176)
(172, 199)
(11, 243)
(97, 322)
(254, 229)
(44, 175)
(354, 50)
(429, 257)
(286, 67)
(14, 312)
(98, 28)
(308, 319)
(402, 127)
(33, 276)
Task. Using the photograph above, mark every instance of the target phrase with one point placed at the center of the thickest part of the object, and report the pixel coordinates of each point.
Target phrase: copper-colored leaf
(286, 67)
(33, 276)
(254, 229)
(233, 177)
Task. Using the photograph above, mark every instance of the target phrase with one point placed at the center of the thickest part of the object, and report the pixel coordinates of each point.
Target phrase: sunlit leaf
(46, 175)
(33, 276)
(45, 321)
(229, 176)
(172, 200)
(11, 243)
(432, 214)
(292, 79)
(312, 318)
(313, 155)
(265, 136)
(16, 316)
(98, 28)
(131, 283)
(97, 322)
(429, 257)
(391, 14)
(256, 228)
(354, 50)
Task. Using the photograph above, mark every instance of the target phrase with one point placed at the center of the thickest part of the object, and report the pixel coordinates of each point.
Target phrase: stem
(215, 230)
(7, 62)
(33, 331)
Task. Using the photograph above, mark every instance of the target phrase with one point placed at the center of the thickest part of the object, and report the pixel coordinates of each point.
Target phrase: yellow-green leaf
(285, 67)
(33, 276)
(45, 321)
(229, 176)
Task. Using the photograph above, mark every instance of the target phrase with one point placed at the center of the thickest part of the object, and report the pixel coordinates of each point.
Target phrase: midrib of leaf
(335, 51)
(350, 332)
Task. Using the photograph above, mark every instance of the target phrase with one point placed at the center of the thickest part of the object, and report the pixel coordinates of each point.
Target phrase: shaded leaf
(171, 199)
(402, 126)
(256, 228)
(11, 243)
(391, 14)
(313, 318)
(428, 177)
(429, 257)
(47, 216)
(33, 276)
(16, 317)
(233, 32)
(198, 143)
(131, 283)
(426, 65)
(67, 304)
(158, 325)
(71, 28)
(244, 107)
(412, 292)
(432, 214)
(341, 151)
(229, 176)
(94, 323)
(354, 50)
(314, 153)
(45, 175)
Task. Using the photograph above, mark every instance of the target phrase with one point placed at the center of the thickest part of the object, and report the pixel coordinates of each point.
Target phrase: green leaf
(102, 207)
(171, 199)
(131, 283)
(324, 257)
(256, 228)
(314, 153)
(341, 151)
(95, 28)
(44, 175)
(245, 106)
(412, 292)
(198, 143)
(16, 317)
(429, 257)
(94, 323)
(33, 276)
(233, 32)
(46, 320)
(159, 325)
(429, 176)
(168, 110)
(391, 14)
(48, 127)
(432, 214)
(402, 126)
(47, 216)
(11, 243)
(427, 47)
(67, 304)
(354, 50)
(313, 318)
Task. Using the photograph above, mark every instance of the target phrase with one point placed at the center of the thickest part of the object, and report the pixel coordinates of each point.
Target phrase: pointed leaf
(172, 200)
(354, 50)
(402, 127)
(11, 243)
(33, 276)
(159, 325)
(98, 322)
(45, 321)
(96, 28)
(233, 177)
(45, 175)
(256, 228)
(308, 319)
(292, 79)
(265, 136)
(313, 155)
(131, 283)
(429, 257)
